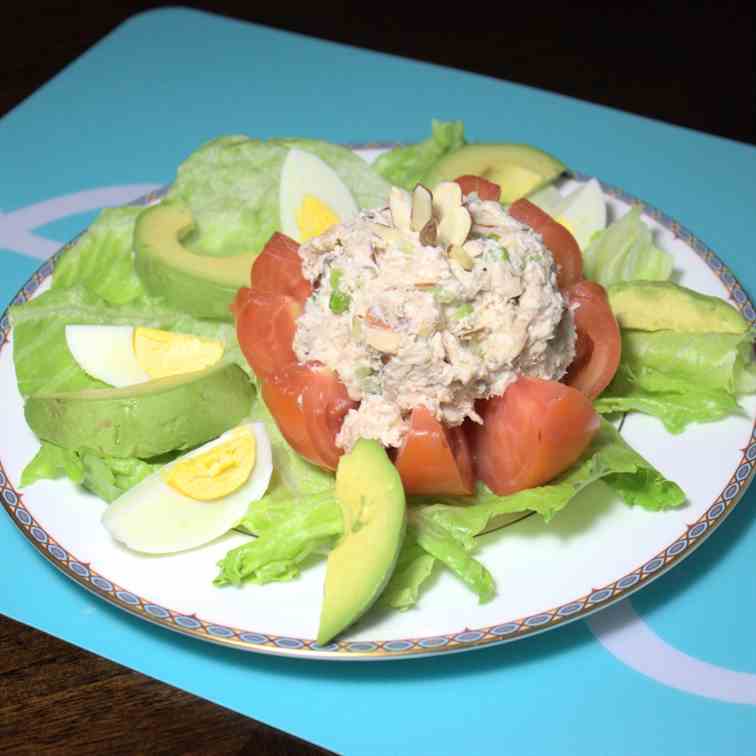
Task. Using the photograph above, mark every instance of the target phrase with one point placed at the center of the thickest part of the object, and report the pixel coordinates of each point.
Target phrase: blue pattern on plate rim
(398, 648)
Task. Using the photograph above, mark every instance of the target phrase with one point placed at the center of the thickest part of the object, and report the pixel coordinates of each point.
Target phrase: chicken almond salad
(404, 323)
(373, 363)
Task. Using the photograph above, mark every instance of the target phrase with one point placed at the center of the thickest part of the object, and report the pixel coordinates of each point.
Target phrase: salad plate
(591, 554)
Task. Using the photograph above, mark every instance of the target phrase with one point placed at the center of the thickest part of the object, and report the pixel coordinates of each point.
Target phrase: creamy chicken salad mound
(436, 300)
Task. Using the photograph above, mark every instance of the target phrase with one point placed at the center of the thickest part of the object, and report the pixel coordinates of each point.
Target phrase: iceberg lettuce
(408, 165)
(625, 251)
(680, 377)
(231, 186)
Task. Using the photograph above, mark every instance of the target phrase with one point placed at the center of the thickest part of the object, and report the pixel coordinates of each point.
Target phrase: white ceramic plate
(591, 554)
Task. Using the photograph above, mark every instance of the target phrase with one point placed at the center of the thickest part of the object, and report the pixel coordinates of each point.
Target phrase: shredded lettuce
(681, 378)
(407, 166)
(625, 251)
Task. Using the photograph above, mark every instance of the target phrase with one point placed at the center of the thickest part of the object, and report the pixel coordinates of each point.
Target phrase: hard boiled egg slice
(124, 355)
(198, 497)
(582, 212)
(312, 197)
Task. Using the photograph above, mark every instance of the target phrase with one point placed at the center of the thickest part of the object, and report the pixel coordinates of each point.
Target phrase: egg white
(584, 211)
(154, 518)
(304, 173)
(106, 353)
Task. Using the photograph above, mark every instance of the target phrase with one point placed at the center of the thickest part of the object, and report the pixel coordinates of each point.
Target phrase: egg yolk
(163, 353)
(217, 472)
(314, 217)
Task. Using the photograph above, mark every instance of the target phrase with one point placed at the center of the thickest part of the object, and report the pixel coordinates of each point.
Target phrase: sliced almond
(446, 196)
(401, 208)
(456, 252)
(384, 341)
(422, 207)
(429, 233)
(389, 234)
(473, 248)
(454, 227)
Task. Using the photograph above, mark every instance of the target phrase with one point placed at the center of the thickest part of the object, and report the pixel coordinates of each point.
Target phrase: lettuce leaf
(407, 166)
(107, 477)
(413, 567)
(681, 378)
(292, 528)
(625, 251)
(40, 353)
(53, 461)
(101, 260)
(289, 531)
(231, 186)
(608, 458)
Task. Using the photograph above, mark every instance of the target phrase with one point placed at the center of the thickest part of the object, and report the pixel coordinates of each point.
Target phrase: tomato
(535, 430)
(283, 393)
(558, 240)
(485, 189)
(599, 346)
(325, 403)
(434, 459)
(265, 328)
(278, 269)
(308, 403)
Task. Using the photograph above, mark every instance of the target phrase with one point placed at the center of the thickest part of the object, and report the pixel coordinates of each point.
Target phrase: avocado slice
(373, 509)
(518, 169)
(201, 285)
(173, 413)
(667, 306)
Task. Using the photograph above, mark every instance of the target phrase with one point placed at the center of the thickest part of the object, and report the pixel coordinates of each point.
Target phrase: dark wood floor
(683, 65)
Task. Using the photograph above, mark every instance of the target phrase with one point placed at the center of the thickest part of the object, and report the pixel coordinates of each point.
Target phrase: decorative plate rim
(413, 647)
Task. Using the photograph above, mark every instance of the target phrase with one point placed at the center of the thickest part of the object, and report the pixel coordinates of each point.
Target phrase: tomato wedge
(265, 328)
(308, 404)
(558, 240)
(599, 345)
(485, 189)
(535, 430)
(435, 459)
(278, 269)
(325, 402)
(283, 393)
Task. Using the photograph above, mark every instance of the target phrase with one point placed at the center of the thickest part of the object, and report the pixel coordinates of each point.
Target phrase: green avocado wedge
(200, 285)
(667, 306)
(373, 509)
(518, 169)
(145, 420)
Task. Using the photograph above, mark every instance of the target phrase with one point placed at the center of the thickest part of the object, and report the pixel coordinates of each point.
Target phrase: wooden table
(683, 66)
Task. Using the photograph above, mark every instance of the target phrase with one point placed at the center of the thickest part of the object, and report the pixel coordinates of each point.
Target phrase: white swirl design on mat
(627, 637)
(16, 226)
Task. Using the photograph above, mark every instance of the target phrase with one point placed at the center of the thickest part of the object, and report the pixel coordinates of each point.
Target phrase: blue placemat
(673, 672)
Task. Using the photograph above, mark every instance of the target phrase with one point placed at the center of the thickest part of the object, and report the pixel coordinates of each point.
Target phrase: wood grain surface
(678, 63)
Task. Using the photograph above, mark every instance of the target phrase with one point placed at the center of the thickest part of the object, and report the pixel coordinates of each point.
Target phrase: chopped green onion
(463, 311)
(339, 302)
(505, 255)
(444, 296)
